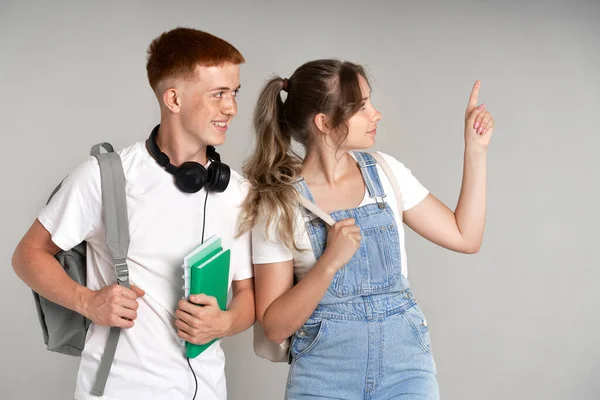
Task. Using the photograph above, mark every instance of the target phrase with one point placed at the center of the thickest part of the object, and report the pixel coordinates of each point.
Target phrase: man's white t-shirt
(165, 224)
(267, 248)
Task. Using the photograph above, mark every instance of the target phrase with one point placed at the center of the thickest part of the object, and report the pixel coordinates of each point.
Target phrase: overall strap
(368, 169)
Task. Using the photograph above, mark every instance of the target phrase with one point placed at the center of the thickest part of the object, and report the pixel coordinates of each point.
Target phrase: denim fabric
(367, 338)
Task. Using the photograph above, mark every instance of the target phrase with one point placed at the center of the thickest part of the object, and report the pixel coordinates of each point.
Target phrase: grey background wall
(519, 320)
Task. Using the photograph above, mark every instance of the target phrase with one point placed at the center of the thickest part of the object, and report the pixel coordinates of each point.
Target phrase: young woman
(358, 332)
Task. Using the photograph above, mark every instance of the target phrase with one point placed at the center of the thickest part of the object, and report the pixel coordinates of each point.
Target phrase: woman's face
(362, 126)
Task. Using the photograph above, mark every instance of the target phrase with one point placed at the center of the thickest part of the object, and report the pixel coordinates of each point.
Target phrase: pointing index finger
(474, 96)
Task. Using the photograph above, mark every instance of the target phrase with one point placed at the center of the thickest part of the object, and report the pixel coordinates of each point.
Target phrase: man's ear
(172, 99)
(321, 123)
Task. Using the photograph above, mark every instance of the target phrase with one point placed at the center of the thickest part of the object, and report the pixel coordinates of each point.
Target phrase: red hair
(176, 53)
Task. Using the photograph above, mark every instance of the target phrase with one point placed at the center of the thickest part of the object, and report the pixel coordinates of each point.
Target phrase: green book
(199, 255)
(206, 250)
(209, 275)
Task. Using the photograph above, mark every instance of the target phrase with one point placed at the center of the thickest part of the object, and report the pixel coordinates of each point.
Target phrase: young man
(195, 77)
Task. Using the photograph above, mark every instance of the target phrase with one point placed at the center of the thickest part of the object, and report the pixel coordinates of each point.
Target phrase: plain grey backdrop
(519, 320)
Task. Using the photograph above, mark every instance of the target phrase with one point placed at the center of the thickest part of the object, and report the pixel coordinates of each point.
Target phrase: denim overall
(367, 338)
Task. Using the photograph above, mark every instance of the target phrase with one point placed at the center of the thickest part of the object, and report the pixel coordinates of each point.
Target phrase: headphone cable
(204, 216)
(201, 241)
(195, 379)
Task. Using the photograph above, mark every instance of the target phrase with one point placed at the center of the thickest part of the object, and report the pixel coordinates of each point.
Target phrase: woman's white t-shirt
(266, 248)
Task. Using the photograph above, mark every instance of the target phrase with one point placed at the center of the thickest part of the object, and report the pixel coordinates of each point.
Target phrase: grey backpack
(64, 330)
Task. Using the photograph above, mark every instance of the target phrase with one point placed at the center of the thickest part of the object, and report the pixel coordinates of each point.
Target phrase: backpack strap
(114, 208)
(312, 207)
(95, 150)
(390, 175)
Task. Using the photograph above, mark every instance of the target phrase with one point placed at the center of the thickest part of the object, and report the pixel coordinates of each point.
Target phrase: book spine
(186, 289)
(186, 281)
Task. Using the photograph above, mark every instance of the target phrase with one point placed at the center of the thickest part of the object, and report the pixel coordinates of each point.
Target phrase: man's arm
(33, 261)
(200, 320)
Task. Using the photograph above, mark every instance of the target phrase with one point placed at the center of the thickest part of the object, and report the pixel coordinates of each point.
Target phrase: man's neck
(179, 146)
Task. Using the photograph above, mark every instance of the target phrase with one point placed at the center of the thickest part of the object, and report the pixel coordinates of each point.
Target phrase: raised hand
(479, 124)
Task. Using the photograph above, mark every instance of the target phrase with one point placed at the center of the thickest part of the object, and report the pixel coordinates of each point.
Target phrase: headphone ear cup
(218, 177)
(191, 177)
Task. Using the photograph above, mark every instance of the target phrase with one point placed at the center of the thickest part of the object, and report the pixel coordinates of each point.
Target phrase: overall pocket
(307, 337)
(418, 323)
(374, 268)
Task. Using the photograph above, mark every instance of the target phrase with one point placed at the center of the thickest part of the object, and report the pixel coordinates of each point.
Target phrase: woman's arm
(461, 230)
(282, 307)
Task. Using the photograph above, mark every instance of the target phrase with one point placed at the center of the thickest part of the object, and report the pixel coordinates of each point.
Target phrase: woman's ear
(321, 123)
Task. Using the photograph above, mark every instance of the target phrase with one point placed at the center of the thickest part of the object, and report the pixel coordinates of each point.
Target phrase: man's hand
(113, 305)
(200, 320)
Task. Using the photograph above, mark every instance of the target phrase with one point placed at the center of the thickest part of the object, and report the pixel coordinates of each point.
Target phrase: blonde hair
(330, 87)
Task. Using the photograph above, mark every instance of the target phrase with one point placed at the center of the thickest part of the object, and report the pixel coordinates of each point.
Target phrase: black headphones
(191, 176)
